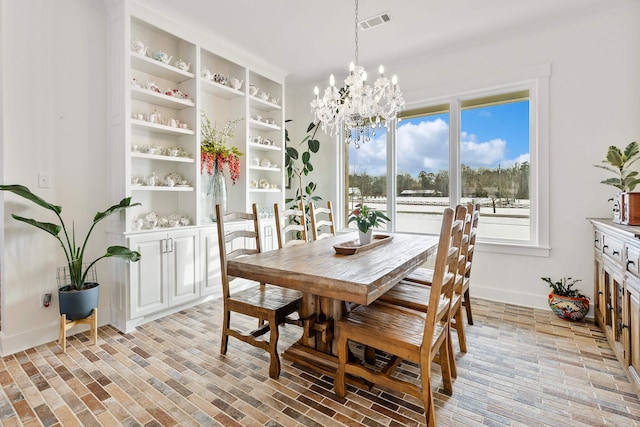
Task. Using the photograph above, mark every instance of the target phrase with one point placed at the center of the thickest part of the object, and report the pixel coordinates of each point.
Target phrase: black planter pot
(78, 304)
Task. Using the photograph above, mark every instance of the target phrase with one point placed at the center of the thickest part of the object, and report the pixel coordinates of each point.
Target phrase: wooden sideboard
(617, 291)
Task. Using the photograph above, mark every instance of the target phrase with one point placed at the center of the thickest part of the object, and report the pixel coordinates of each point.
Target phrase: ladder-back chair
(322, 225)
(264, 302)
(406, 334)
(291, 226)
(415, 294)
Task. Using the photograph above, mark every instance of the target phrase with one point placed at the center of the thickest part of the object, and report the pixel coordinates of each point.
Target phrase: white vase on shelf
(216, 193)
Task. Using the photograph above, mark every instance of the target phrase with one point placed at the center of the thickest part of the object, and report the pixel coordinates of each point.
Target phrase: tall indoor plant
(73, 252)
(298, 163)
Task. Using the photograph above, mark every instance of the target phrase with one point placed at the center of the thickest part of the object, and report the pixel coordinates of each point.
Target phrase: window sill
(514, 249)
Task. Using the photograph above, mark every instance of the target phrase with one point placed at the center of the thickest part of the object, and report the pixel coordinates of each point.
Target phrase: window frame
(536, 81)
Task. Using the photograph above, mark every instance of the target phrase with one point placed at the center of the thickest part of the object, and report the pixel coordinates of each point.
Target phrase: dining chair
(262, 301)
(406, 334)
(473, 228)
(321, 219)
(415, 294)
(423, 275)
(291, 226)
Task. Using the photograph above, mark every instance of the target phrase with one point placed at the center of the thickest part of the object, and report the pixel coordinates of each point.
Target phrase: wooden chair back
(291, 226)
(236, 243)
(463, 214)
(474, 211)
(270, 305)
(444, 276)
(321, 219)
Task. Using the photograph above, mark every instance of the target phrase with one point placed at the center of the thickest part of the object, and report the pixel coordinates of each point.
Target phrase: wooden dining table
(331, 282)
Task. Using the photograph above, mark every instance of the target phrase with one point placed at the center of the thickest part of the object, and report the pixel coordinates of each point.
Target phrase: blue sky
(491, 136)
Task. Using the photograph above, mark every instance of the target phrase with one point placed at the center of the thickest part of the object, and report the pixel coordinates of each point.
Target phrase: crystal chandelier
(358, 108)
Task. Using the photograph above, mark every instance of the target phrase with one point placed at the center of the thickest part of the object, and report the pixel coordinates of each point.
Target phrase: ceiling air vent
(374, 21)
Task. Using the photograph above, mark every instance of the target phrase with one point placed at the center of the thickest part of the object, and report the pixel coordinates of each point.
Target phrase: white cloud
(425, 146)
(482, 154)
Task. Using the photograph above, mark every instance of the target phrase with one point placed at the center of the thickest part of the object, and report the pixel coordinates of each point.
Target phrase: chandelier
(357, 108)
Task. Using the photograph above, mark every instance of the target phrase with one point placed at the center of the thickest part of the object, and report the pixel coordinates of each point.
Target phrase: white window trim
(536, 79)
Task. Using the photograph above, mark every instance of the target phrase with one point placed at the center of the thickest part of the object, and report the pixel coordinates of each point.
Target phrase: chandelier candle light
(357, 106)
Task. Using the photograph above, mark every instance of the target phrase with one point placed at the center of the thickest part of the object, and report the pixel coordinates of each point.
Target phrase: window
(486, 147)
(422, 179)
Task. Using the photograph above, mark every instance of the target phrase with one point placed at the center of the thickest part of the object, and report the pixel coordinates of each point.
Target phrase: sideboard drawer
(612, 247)
(597, 239)
(633, 259)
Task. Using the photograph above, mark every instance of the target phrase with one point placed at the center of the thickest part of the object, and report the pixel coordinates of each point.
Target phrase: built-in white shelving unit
(155, 112)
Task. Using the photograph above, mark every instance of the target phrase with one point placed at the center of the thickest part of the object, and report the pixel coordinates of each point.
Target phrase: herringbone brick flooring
(524, 367)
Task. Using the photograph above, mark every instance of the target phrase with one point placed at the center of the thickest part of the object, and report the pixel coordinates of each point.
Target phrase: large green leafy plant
(298, 163)
(619, 162)
(73, 252)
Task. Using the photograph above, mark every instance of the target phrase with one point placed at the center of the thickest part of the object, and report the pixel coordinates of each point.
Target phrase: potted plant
(214, 153)
(619, 163)
(78, 298)
(626, 205)
(565, 301)
(366, 219)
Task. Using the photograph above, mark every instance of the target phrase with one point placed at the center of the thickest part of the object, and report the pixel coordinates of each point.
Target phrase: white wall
(54, 116)
(594, 103)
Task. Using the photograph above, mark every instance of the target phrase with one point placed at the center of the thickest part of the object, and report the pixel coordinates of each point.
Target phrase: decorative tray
(354, 246)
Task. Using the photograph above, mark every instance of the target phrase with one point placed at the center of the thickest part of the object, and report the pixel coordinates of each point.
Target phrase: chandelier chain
(356, 31)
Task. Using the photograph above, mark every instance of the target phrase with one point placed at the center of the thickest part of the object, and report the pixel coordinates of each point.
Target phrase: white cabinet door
(148, 289)
(184, 268)
(210, 253)
(168, 273)
(211, 281)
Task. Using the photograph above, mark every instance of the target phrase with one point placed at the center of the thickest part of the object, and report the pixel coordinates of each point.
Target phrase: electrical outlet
(46, 300)
(43, 180)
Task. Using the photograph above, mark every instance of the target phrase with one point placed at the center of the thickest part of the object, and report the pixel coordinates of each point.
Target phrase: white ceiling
(311, 39)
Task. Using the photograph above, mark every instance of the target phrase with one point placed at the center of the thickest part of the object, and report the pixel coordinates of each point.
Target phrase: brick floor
(524, 367)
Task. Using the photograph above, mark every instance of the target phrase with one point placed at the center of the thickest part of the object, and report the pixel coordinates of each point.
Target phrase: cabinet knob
(630, 262)
(616, 252)
(622, 325)
(600, 292)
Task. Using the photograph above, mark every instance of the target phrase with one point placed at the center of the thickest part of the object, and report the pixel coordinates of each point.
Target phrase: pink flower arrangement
(213, 150)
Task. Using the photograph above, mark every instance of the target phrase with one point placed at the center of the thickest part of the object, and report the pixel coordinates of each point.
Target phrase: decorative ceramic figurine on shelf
(182, 65)
(219, 78)
(153, 87)
(234, 83)
(161, 56)
(205, 73)
(138, 47)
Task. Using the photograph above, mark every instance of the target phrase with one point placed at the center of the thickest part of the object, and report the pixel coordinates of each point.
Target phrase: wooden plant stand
(91, 320)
